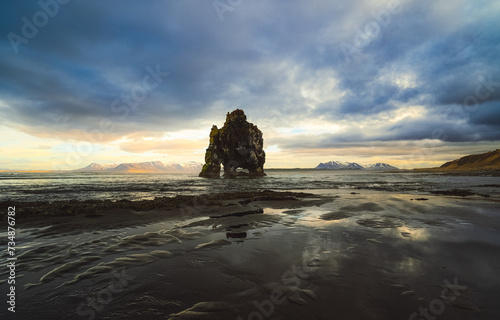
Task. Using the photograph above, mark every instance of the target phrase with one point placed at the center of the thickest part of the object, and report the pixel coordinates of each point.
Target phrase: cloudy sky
(411, 83)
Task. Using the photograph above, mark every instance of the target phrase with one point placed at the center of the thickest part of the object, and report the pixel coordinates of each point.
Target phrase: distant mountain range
(337, 165)
(489, 161)
(144, 167)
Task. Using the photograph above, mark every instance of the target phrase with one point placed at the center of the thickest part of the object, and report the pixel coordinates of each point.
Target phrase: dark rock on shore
(459, 193)
(238, 144)
(238, 214)
(454, 192)
(96, 208)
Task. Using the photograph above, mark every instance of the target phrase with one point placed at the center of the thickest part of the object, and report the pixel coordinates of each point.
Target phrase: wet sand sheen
(365, 256)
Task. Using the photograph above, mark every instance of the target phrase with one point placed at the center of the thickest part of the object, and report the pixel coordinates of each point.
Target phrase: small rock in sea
(406, 234)
(454, 192)
(236, 235)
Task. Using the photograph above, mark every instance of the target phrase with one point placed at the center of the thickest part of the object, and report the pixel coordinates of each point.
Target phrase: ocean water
(140, 186)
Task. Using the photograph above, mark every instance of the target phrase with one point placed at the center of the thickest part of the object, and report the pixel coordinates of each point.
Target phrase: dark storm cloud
(259, 57)
(432, 127)
(487, 114)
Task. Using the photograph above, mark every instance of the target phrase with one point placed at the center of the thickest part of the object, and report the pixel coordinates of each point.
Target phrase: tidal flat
(264, 255)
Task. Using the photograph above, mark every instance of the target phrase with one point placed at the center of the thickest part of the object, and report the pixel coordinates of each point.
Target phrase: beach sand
(331, 254)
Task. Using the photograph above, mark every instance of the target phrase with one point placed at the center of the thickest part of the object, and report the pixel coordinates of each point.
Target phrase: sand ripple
(132, 260)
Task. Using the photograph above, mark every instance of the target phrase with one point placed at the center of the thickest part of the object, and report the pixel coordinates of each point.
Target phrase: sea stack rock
(238, 144)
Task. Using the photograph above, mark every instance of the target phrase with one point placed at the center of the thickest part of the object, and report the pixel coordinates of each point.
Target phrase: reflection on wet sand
(357, 256)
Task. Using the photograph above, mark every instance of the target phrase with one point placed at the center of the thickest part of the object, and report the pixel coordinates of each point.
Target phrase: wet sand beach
(329, 254)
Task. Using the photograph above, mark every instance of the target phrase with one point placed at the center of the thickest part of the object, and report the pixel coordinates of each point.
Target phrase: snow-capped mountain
(191, 166)
(337, 165)
(380, 166)
(145, 167)
(330, 165)
(353, 165)
(97, 167)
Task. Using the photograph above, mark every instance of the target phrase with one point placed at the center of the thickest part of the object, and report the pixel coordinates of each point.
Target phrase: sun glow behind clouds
(320, 88)
(405, 80)
(412, 112)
